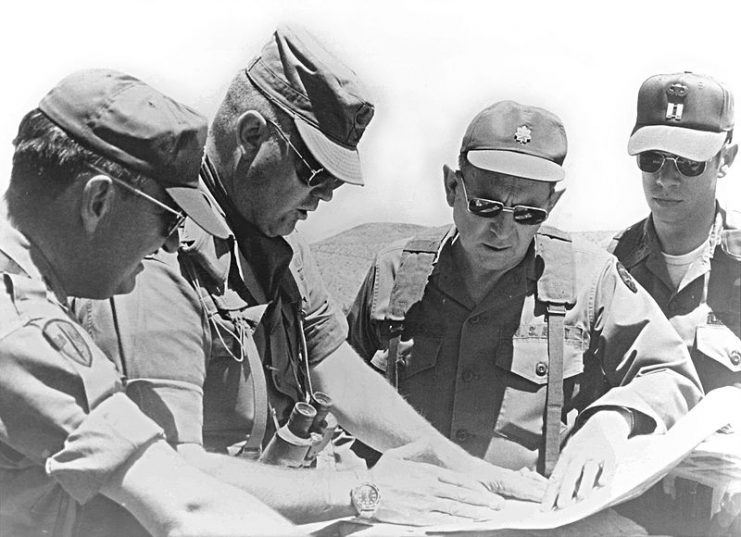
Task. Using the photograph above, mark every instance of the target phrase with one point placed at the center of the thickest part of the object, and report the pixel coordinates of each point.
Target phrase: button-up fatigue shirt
(65, 424)
(185, 367)
(706, 307)
(478, 372)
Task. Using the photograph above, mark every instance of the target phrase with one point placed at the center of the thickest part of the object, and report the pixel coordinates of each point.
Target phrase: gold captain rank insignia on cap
(675, 105)
(523, 134)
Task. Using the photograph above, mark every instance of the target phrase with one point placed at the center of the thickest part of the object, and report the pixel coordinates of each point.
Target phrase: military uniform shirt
(706, 308)
(184, 366)
(478, 372)
(65, 424)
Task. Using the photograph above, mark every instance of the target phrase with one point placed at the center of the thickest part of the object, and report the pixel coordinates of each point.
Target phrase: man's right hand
(419, 493)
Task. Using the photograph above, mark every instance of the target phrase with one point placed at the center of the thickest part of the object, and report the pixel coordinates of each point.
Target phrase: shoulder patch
(66, 339)
(626, 277)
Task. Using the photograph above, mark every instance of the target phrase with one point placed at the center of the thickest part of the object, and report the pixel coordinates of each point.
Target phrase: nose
(324, 193)
(503, 225)
(668, 174)
(172, 242)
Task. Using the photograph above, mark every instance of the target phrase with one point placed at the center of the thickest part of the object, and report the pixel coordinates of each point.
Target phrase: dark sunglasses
(315, 177)
(653, 161)
(172, 218)
(522, 214)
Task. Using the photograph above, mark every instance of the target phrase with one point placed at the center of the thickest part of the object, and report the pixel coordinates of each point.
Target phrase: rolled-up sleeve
(108, 437)
(325, 327)
(644, 360)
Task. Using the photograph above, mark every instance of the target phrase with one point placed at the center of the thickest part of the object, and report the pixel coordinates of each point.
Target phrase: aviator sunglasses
(485, 208)
(173, 219)
(315, 179)
(653, 161)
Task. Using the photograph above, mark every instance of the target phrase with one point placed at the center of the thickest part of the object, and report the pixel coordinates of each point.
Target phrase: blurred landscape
(344, 258)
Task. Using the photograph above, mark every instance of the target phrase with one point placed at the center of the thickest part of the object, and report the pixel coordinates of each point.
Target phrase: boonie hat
(685, 114)
(515, 139)
(123, 119)
(327, 101)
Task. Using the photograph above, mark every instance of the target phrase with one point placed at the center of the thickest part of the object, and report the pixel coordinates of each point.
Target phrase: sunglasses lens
(484, 207)
(650, 161)
(690, 168)
(529, 216)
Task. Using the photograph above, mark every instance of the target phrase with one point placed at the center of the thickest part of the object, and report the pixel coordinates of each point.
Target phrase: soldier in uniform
(221, 341)
(514, 339)
(103, 171)
(687, 252)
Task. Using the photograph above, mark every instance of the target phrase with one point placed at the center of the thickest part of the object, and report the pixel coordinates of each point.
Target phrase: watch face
(365, 497)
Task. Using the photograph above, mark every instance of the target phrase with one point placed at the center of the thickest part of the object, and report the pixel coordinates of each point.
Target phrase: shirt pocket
(719, 343)
(525, 382)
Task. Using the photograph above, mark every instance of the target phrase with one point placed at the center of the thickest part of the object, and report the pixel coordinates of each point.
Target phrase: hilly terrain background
(344, 258)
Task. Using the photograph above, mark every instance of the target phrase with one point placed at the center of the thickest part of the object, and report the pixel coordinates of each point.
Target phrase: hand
(522, 484)
(588, 461)
(419, 493)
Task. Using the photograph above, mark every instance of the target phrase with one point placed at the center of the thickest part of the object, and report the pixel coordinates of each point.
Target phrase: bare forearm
(367, 406)
(300, 495)
(171, 498)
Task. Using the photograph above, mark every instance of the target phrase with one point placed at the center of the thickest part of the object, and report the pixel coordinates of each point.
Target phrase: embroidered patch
(626, 277)
(66, 339)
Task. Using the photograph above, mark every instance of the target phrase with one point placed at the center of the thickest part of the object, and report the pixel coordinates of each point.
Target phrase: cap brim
(516, 164)
(688, 143)
(341, 162)
(196, 206)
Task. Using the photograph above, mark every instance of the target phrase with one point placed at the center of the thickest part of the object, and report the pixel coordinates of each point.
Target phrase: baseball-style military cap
(123, 119)
(515, 139)
(686, 114)
(327, 101)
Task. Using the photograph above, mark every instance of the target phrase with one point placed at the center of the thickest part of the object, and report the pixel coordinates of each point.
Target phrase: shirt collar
(17, 247)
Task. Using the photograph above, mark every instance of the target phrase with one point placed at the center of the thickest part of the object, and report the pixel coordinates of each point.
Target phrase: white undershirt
(678, 265)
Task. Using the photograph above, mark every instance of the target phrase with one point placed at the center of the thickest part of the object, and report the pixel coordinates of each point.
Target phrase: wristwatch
(365, 499)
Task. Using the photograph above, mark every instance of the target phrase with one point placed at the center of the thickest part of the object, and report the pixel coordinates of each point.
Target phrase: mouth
(666, 202)
(497, 248)
(302, 214)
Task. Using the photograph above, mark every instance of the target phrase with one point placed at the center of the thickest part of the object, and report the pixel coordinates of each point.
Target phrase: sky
(429, 65)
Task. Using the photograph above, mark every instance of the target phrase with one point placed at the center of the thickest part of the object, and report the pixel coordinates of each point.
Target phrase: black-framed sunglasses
(173, 219)
(315, 178)
(653, 161)
(485, 208)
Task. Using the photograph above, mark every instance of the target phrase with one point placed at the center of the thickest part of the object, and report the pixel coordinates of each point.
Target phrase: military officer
(528, 339)
(220, 342)
(687, 252)
(103, 171)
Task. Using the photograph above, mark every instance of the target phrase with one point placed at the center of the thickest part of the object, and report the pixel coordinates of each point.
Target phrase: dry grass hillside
(344, 258)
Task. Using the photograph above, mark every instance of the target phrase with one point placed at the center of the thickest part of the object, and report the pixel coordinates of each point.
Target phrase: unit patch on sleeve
(66, 339)
(626, 277)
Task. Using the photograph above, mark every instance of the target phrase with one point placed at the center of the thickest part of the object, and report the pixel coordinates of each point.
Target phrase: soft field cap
(329, 105)
(123, 119)
(685, 114)
(519, 140)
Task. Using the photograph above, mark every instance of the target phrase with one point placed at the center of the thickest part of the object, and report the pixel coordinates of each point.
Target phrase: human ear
(727, 157)
(554, 197)
(251, 131)
(97, 202)
(450, 182)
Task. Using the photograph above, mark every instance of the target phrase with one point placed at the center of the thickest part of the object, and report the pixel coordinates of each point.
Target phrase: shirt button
(468, 375)
(461, 435)
(541, 368)
(475, 320)
(735, 357)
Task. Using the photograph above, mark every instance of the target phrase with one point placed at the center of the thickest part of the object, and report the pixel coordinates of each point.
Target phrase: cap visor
(340, 161)
(196, 206)
(688, 143)
(516, 164)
